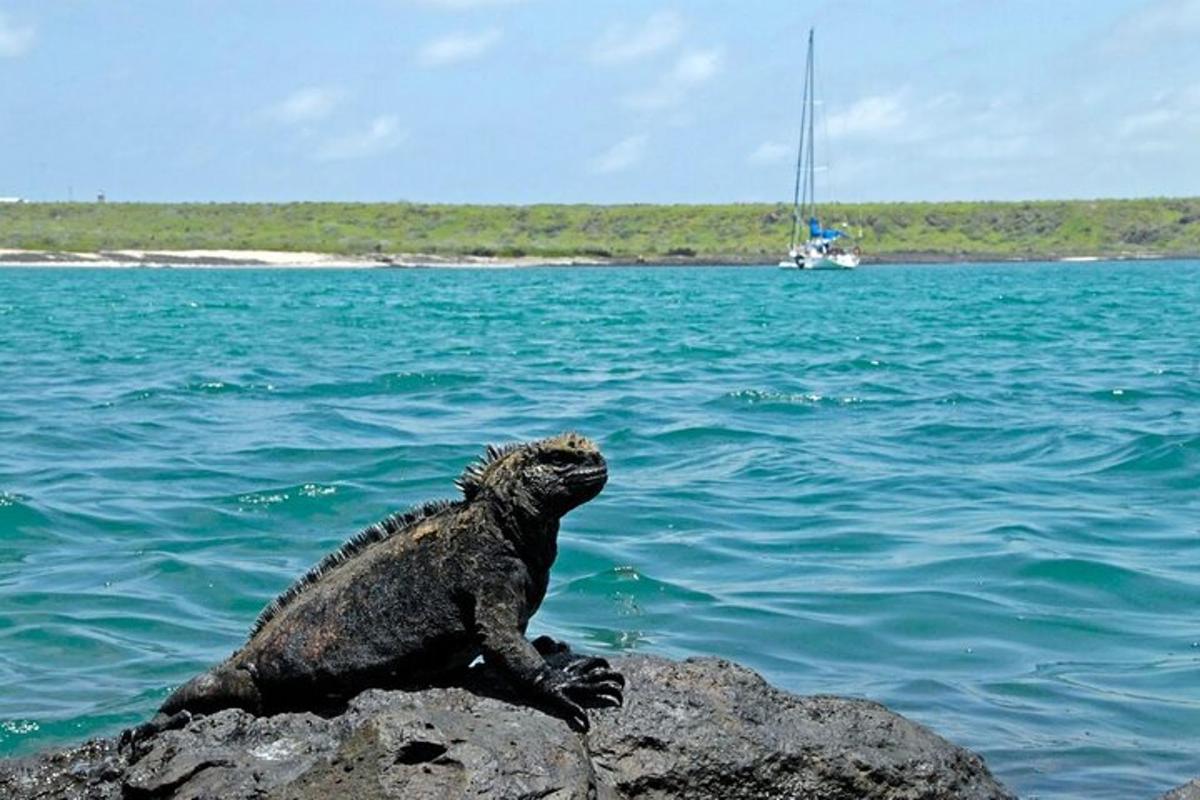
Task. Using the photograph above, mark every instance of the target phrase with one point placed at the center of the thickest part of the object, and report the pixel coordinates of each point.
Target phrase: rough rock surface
(1189, 791)
(700, 728)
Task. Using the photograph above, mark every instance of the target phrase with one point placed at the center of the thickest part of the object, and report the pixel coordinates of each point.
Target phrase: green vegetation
(742, 233)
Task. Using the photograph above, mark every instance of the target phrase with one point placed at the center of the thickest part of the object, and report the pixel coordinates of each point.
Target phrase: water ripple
(968, 492)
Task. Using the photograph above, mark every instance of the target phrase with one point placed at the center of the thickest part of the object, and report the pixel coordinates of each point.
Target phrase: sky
(596, 101)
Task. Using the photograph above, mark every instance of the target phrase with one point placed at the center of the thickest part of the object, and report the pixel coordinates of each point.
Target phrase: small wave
(8, 499)
(1152, 453)
(1156, 682)
(112, 358)
(392, 383)
(620, 607)
(302, 493)
(630, 582)
(19, 513)
(1091, 583)
(705, 434)
(858, 364)
(19, 727)
(16, 733)
(262, 499)
(758, 397)
(1080, 572)
(133, 396)
(1015, 300)
(214, 386)
(956, 398)
(958, 432)
(618, 639)
(1118, 395)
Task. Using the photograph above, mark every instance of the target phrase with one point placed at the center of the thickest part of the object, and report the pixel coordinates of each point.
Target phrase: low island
(417, 234)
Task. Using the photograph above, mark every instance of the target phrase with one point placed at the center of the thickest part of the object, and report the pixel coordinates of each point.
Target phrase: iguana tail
(219, 688)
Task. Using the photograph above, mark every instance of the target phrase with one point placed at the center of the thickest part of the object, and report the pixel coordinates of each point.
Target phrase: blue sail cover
(815, 231)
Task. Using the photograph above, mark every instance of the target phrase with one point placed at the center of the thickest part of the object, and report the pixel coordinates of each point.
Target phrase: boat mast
(805, 127)
(810, 82)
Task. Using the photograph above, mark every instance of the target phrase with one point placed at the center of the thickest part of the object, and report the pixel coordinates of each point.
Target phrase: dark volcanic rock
(1189, 791)
(710, 729)
(698, 729)
(92, 770)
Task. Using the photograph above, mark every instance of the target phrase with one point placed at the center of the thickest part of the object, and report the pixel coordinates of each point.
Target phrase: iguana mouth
(590, 476)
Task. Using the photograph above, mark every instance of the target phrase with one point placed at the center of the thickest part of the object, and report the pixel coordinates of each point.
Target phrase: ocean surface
(968, 492)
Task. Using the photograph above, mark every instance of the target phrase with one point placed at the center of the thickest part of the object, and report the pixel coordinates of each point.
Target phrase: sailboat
(823, 248)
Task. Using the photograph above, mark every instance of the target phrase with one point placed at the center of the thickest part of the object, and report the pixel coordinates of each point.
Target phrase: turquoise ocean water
(969, 492)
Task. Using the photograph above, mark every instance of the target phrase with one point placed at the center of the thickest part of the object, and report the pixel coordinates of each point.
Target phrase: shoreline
(407, 234)
(217, 259)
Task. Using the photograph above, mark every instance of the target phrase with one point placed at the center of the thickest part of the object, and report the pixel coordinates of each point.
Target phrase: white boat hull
(811, 258)
(835, 261)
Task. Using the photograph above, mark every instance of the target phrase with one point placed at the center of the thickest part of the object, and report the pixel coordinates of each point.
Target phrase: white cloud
(771, 153)
(947, 125)
(892, 143)
(621, 156)
(15, 40)
(622, 43)
(1143, 122)
(697, 66)
(1171, 113)
(1154, 23)
(304, 105)
(382, 135)
(984, 147)
(691, 70)
(869, 116)
(455, 48)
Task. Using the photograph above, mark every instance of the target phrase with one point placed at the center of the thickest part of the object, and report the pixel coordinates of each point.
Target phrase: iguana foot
(592, 670)
(132, 737)
(594, 683)
(578, 681)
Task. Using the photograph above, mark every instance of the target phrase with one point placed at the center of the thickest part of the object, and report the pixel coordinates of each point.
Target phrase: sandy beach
(217, 259)
(271, 258)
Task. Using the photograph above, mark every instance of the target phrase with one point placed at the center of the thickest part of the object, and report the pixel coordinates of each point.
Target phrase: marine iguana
(420, 595)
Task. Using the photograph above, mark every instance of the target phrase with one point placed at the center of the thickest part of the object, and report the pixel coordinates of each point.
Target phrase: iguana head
(547, 477)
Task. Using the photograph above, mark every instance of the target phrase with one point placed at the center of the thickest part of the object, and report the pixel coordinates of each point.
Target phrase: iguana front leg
(559, 655)
(567, 689)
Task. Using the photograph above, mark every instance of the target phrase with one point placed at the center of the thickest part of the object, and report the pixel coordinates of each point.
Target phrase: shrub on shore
(741, 231)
